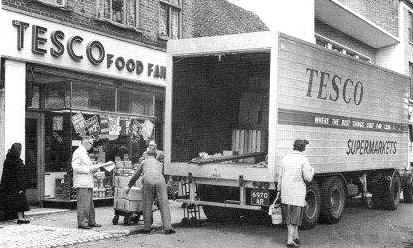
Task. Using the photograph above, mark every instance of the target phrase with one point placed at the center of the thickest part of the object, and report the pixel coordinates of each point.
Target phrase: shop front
(60, 83)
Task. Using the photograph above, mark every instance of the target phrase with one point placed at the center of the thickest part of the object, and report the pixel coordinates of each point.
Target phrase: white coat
(82, 168)
(294, 169)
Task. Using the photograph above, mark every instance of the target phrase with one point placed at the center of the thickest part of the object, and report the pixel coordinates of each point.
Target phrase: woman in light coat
(295, 170)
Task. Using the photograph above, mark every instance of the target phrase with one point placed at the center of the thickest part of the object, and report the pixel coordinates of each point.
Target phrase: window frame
(124, 22)
(410, 27)
(62, 6)
(170, 7)
(332, 45)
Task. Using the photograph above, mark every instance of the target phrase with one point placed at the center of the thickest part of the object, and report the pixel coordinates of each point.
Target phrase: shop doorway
(34, 154)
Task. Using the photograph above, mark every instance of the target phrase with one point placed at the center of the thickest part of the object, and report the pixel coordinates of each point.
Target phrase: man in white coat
(83, 169)
(295, 170)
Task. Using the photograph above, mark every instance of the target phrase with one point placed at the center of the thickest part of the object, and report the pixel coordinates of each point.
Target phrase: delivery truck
(234, 105)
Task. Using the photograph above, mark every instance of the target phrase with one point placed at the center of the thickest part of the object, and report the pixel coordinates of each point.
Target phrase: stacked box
(63, 188)
(109, 191)
(127, 164)
(124, 172)
(121, 181)
(129, 202)
(119, 164)
(133, 205)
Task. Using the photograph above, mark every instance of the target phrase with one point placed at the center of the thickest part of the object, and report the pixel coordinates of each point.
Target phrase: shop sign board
(40, 41)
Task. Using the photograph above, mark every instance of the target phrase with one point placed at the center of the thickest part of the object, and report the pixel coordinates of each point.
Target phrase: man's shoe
(297, 241)
(96, 225)
(84, 227)
(169, 231)
(292, 245)
(23, 222)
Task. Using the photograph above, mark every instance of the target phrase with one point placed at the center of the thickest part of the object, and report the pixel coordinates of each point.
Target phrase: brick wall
(382, 12)
(408, 49)
(82, 13)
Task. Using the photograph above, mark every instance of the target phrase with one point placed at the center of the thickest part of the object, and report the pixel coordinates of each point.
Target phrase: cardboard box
(119, 164)
(118, 192)
(119, 204)
(127, 164)
(121, 181)
(135, 194)
(133, 205)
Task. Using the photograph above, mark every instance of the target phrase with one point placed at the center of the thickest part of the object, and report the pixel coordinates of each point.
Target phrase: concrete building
(376, 31)
(96, 67)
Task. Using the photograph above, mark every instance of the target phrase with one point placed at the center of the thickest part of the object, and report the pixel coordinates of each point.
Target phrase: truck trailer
(234, 105)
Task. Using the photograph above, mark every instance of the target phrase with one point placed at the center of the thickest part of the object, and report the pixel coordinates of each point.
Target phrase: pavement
(58, 227)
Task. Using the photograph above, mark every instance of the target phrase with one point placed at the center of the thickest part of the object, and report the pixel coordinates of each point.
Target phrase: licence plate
(260, 197)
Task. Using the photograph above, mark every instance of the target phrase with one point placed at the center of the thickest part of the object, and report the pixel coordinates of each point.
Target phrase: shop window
(57, 95)
(135, 103)
(33, 96)
(169, 19)
(123, 13)
(93, 97)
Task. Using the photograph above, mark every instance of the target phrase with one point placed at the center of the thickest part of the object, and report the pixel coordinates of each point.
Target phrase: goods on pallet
(126, 204)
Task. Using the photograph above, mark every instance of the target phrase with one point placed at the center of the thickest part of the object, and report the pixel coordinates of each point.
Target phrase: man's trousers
(85, 207)
(155, 185)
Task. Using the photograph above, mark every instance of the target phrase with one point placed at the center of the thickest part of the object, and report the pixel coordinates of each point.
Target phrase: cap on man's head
(152, 154)
(299, 142)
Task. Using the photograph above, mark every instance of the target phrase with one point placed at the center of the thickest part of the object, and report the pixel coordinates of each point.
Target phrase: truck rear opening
(216, 95)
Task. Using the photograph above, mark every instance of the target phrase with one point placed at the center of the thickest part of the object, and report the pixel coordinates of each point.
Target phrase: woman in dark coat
(13, 185)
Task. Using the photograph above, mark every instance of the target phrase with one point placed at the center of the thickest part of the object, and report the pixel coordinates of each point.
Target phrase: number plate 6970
(260, 197)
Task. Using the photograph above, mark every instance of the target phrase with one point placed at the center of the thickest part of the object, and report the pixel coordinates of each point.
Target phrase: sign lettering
(334, 88)
(94, 50)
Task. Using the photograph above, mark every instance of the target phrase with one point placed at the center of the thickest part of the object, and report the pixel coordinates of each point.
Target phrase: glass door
(34, 157)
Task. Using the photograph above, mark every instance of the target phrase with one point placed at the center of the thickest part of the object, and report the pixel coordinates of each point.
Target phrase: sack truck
(234, 105)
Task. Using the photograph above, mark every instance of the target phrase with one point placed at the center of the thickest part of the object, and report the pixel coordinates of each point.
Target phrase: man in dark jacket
(153, 183)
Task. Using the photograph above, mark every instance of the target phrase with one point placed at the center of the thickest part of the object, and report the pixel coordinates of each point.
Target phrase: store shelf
(71, 204)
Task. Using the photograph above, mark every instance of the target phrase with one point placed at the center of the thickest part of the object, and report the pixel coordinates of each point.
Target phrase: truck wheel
(332, 199)
(391, 194)
(312, 210)
(408, 190)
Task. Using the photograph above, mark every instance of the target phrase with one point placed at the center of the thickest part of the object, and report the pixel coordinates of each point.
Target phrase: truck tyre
(312, 210)
(408, 190)
(332, 199)
(391, 194)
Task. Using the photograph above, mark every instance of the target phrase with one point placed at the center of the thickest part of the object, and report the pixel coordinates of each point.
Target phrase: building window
(123, 13)
(411, 77)
(54, 3)
(410, 29)
(327, 43)
(169, 19)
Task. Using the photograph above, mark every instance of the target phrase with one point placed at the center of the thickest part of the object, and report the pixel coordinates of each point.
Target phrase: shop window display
(121, 120)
